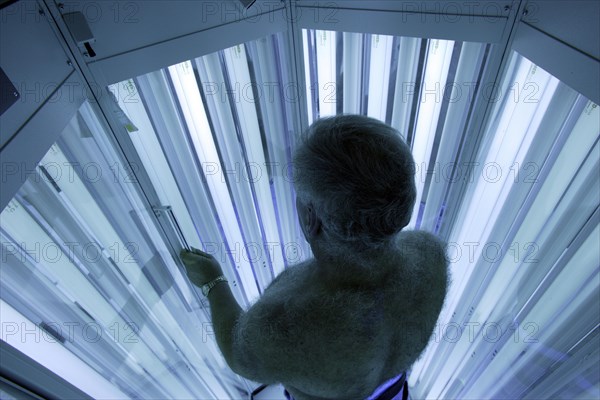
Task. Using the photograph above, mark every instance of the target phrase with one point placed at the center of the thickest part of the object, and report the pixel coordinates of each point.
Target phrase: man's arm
(291, 339)
(202, 268)
(238, 333)
(225, 312)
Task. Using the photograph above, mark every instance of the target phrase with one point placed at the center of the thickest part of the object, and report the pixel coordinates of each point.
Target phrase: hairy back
(341, 341)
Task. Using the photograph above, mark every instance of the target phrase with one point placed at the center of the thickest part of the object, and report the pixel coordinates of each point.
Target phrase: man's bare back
(325, 335)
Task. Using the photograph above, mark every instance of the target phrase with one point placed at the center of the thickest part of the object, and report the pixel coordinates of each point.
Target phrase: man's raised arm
(242, 336)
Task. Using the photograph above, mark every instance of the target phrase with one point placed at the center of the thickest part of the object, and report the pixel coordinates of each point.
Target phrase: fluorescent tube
(54, 356)
(311, 88)
(252, 157)
(405, 87)
(325, 46)
(439, 55)
(352, 65)
(379, 75)
(193, 110)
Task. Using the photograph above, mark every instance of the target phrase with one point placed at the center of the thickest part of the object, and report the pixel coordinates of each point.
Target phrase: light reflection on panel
(525, 260)
(82, 260)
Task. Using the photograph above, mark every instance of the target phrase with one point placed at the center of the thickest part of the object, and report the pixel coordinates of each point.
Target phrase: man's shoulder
(421, 250)
(418, 239)
(290, 283)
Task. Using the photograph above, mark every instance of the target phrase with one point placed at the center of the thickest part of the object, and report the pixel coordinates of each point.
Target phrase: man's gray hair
(358, 174)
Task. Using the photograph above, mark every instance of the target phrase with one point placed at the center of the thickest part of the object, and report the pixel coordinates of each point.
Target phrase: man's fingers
(199, 252)
(200, 267)
(190, 254)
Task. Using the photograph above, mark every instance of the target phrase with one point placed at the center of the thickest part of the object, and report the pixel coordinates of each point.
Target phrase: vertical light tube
(460, 98)
(54, 356)
(152, 156)
(170, 131)
(352, 65)
(425, 366)
(511, 141)
(501, 155)
(404, 90)
(194, 113)
(149, 149)
(439, 55)
(512, 137)
(524, 122)
(553, 313)
(259, 198)
(274, 104)
(237, 171)
(310, 85)
(167, 318)
(72, 282)
(379, 75)
(326, 74)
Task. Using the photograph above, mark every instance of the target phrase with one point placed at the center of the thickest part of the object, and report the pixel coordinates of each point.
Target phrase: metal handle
(168, 210)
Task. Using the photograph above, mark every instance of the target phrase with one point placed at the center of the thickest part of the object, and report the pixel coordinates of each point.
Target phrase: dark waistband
(398, 385)
(392, 388)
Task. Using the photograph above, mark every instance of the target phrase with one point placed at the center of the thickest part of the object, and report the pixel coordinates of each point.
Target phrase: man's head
(354, 178)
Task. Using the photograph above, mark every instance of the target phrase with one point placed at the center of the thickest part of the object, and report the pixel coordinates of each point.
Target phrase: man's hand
(201, 267)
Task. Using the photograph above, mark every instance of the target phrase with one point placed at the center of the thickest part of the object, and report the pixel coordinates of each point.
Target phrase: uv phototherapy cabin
(131, 130)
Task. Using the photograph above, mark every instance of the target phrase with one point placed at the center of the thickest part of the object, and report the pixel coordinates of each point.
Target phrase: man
(347, 323)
